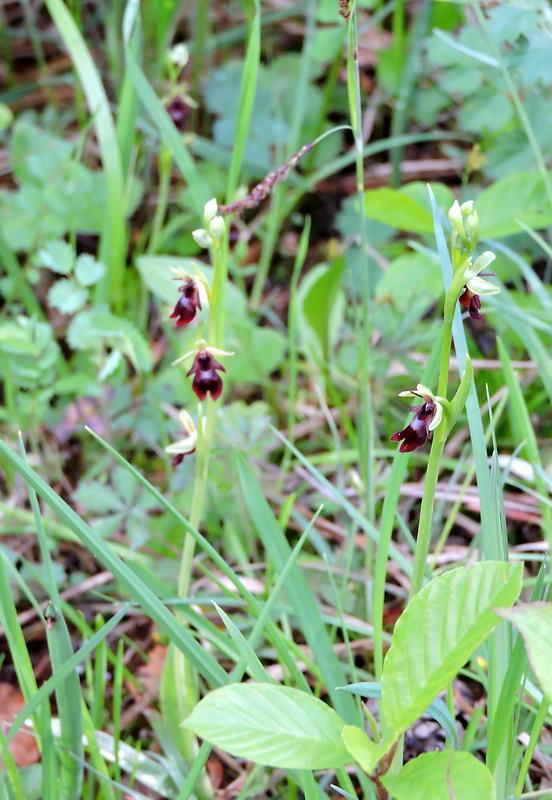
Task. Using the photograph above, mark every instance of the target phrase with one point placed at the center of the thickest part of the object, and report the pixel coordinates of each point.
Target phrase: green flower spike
(214, 229)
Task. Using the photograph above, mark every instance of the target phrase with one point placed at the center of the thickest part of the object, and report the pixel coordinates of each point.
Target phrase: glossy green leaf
(397, 209)
(438, 632)
(520, 196)
(321, 302)
(364, 751)
(273, 725)
(534, 620)
(442, 776)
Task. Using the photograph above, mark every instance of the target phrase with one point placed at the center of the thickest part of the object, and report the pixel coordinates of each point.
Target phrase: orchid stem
(425, 524)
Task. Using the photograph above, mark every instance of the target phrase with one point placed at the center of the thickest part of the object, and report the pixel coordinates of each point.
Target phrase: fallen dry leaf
(23, 745)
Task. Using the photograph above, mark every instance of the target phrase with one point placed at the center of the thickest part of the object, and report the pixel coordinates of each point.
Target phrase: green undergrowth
(261, 544)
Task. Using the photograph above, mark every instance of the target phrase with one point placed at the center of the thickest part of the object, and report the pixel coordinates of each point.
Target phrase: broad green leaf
(257, 351)
(67, 296)
(364, 751)
(398, 209)
(534, 620)
(520, 196)
(442, 776)
(320, 299)
(273, 725)
(411, 278)
(437, 709)
(93, 330)
(438, 632)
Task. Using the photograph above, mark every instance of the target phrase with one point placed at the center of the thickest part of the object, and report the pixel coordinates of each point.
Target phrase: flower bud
(202, 238)
(456, 220)
(471, 225)
(467, 208)
(209, 211)
(217, 228)
(179, 55)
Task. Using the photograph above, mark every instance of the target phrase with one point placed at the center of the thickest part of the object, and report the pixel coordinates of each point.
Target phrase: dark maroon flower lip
(185, 309)
(417, 433)
(206, 378)
(179, 111)
(427, 416)
(472, 302)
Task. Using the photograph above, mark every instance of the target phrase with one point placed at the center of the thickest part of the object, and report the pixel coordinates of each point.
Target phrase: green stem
(425, 523)
(426, 511)
(205, 436)
(184, 675)
(165, 163)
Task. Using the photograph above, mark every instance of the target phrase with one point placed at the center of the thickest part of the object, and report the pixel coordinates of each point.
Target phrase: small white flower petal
(184, 357)
(188, 424)
(217, 228)
(425, 391)
(480, 286)
(484, 260)
(455, 219)
(183, 446)
(210, 211)
(216, 352)
(179, 55)
(437, 418)
(202, 238)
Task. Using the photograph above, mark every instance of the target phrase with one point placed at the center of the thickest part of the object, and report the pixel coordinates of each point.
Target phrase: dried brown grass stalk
(264, 188)
(345, 9)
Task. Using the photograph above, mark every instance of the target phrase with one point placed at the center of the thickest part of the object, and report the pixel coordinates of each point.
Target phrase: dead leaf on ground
(23, 745)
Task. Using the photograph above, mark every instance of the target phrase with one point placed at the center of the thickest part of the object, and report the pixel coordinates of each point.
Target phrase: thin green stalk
(165, 164)
(388, 513)
(426, 511)
(365, 417)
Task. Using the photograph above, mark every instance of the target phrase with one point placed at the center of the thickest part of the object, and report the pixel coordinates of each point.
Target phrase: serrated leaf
(67, 296)
(398, 209)
(438, 632)
(534, 620)
(88, 271)
(272, 725)
(442, 776)
(58, 256)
